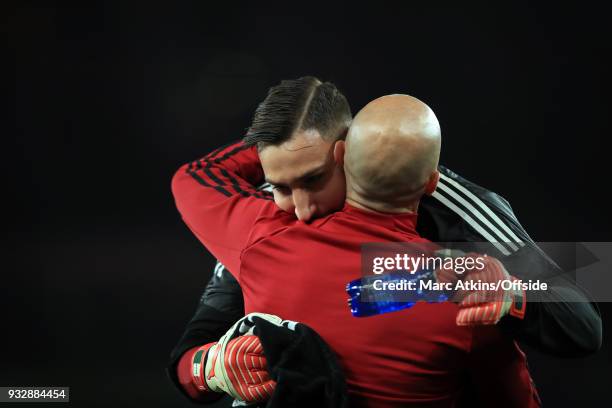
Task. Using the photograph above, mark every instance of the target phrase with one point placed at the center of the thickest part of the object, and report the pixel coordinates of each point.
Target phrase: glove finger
(256, 357)
(237, 367)
(257, 366)
(265, 390)
(485, 314)
(469, 298)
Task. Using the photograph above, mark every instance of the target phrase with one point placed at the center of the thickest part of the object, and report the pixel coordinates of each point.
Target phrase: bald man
(392, 154)
(413, 357)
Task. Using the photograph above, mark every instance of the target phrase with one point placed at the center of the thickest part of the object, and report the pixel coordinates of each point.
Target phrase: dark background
(100, 275)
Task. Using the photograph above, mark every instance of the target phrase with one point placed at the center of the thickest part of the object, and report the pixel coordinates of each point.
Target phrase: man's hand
(236, 364)
(484, 307)
(240, 369)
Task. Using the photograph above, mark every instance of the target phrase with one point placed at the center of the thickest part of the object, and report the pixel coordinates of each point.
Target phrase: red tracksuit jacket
(298, 271)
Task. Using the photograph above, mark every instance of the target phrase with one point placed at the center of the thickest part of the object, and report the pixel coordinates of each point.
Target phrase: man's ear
(339, 152)
(432, 183)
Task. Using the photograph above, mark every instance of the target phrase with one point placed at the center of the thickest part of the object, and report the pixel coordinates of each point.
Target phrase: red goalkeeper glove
(241, 370)
(236, 364)
(485, 307)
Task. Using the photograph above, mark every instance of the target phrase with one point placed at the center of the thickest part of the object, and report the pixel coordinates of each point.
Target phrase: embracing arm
(562, 320)
(220, 305)
(219, 202)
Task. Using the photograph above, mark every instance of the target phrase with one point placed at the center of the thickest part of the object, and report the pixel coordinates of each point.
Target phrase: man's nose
(304, 206)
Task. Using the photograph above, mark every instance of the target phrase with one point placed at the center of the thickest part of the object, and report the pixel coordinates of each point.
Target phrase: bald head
(392, 151)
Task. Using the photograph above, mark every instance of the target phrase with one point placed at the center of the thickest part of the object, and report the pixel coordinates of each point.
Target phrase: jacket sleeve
(561, 321)
(220, 306)
(217, 199)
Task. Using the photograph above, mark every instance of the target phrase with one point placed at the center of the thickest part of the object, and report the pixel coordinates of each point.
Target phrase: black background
(100, 275)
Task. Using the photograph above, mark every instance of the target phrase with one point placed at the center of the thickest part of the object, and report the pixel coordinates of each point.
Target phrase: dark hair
(299, 104)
